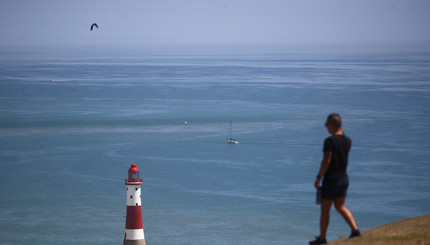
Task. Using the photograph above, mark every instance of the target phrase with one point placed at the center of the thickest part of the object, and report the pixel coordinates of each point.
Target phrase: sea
(73, 120)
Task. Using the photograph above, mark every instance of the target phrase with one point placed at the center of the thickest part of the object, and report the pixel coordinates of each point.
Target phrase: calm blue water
(66, 145)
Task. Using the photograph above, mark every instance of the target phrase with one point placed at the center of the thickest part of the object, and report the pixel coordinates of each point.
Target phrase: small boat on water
(229, 139)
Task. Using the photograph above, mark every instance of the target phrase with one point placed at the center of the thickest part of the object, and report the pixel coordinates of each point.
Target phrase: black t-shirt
(339, 146)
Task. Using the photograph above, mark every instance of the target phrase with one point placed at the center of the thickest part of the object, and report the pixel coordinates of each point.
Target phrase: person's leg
(325, 217)
(339, 204)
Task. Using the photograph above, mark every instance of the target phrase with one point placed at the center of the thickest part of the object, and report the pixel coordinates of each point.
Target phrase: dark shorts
(334, 188)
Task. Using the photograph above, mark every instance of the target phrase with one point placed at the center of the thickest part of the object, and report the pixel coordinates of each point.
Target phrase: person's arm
(323, 168)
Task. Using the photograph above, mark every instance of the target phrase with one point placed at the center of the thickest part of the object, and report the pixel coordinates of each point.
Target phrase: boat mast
(229, 130)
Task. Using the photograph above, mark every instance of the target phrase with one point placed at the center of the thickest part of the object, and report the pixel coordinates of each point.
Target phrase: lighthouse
(133, 225)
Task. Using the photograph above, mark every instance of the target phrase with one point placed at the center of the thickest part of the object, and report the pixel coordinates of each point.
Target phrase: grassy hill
(414, 231)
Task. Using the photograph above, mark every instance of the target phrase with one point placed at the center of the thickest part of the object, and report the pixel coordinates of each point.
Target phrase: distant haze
(131, 22)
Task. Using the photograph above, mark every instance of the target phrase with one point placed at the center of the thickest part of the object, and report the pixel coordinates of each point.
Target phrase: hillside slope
(414, 231)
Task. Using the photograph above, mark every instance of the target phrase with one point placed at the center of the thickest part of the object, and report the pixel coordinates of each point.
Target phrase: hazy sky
(59, 22)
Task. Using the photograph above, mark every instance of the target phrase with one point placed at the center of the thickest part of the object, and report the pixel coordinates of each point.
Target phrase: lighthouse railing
(133, 180)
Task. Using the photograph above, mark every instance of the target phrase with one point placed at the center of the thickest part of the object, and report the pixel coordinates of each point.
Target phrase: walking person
(335, 182)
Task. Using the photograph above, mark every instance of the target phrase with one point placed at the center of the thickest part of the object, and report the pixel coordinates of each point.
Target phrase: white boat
(229, 139)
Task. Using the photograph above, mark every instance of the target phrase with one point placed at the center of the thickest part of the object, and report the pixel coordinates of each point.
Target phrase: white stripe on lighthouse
(133, 195)
(134, 234)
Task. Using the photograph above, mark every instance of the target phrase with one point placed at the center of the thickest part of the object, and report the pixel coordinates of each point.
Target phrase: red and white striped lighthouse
(133, 225)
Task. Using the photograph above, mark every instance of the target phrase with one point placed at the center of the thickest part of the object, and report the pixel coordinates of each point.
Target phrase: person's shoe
(318, 241)
(355, 233)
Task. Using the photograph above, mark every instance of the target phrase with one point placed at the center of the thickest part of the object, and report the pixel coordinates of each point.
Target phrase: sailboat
(229, 139)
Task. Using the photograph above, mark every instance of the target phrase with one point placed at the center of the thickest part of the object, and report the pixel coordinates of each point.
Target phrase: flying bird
(92, 26)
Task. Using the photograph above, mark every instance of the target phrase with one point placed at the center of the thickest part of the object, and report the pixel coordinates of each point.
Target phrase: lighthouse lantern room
(133, 176)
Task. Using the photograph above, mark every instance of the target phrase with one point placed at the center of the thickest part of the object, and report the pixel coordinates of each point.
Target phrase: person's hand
(317, 183)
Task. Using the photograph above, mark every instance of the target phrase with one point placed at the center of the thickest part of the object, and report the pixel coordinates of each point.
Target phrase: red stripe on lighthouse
(134, 217)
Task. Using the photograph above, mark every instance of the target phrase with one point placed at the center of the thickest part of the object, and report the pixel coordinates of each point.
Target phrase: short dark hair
(334, 120)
